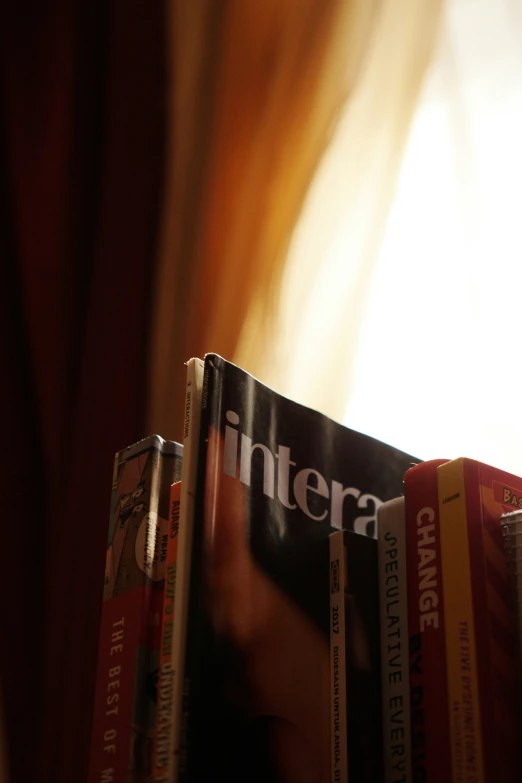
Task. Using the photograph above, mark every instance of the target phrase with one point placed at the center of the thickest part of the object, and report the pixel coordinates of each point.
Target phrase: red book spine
(430, 741)
(480, 602)
(114, 700)
(490, 493)
(162, 767)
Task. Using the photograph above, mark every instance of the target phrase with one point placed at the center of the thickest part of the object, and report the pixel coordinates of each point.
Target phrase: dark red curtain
(81, 150)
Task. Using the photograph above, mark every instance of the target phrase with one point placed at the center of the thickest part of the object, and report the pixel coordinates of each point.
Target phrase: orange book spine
(464, 709)
(430, 744)
(161, 756)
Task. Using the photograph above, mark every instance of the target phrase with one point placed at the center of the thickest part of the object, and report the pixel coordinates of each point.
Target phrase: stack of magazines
(289, 600)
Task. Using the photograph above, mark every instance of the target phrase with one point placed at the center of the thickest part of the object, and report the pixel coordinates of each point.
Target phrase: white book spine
(393, 593)
(338, 727)
(194, 385)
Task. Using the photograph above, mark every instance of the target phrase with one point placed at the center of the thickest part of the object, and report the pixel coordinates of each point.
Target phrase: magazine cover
(128, 657)
(274, 480)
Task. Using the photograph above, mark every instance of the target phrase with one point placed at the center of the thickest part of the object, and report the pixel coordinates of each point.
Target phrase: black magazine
(274, 480)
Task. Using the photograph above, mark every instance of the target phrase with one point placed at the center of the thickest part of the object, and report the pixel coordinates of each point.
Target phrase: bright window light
(439, 361)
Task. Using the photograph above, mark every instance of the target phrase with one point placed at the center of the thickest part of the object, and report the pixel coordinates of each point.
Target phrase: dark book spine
(338, 726)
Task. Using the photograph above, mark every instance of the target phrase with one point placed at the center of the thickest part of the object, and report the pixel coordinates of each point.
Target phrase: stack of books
(286, 599)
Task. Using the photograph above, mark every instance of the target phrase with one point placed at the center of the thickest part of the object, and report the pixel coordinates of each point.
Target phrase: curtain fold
(256, 91)
(307, 346)
(82, 96)
(288, 122)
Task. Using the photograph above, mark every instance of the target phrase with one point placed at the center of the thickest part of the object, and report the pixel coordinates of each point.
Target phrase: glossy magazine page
(274, 480)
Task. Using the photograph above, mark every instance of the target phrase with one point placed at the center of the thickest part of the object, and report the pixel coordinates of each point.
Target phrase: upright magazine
(129, 641)
(274, 479)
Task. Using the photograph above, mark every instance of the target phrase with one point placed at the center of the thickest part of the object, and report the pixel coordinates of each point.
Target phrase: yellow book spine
(463, 688)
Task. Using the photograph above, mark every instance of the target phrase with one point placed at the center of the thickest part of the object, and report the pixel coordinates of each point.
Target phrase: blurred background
(326, 192)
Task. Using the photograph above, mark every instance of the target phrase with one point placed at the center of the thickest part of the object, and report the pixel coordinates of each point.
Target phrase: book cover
(430, 740)
(274, 480)
(355, 678)
(395, 663)
(128, 657)
(162, 751)
(481, 650)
